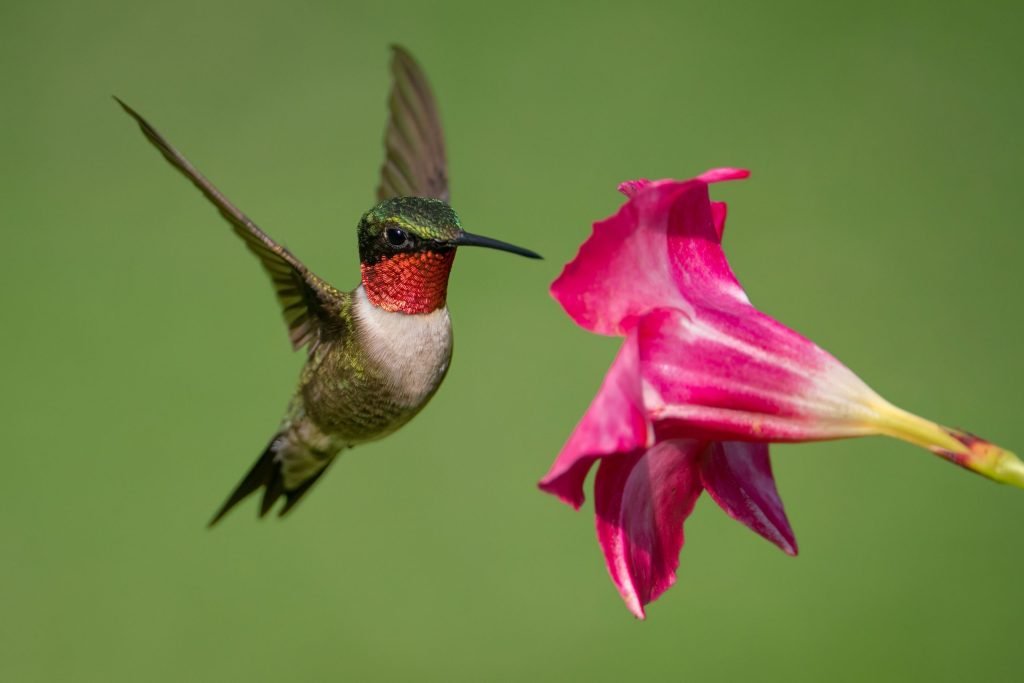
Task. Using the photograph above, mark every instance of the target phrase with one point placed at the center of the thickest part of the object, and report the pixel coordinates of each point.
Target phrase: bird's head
(406, 249)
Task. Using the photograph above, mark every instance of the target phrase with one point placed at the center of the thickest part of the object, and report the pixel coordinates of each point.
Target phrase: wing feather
(307, 302)
(415, 163)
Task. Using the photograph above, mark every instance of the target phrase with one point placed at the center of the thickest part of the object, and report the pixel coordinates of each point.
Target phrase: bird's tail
(266, 473)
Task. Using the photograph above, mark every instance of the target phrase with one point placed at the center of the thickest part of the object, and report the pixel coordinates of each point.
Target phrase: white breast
(413, 349)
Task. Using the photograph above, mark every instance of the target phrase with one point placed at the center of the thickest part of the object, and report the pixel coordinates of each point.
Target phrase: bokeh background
(144, 364)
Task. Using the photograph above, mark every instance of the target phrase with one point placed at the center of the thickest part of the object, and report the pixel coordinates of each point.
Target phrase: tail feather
(294, 496)
(266, 473)
(274, 489)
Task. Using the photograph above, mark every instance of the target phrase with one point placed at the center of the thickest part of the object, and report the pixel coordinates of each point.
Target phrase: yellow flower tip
(1011, 470)
(986, 459)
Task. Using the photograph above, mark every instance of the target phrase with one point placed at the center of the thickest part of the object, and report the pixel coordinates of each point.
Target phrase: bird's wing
(308, 303)
(415, 164)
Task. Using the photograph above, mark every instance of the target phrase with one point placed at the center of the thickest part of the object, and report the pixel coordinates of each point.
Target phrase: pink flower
(702, 383)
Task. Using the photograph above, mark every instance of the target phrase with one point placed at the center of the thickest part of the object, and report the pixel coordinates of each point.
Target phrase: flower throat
(409, 282)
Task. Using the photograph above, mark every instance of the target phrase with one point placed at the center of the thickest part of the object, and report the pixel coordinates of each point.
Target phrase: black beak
(468, 239)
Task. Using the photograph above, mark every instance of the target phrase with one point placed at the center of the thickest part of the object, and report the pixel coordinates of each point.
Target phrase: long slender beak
(468, 239)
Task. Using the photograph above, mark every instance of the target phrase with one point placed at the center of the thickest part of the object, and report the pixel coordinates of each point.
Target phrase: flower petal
(728, 374)
(719, 210)
(631, 187)
(641, 501)
(614, 423)
(697, 263)
(664, 241)
(738, 475)
(717, 175)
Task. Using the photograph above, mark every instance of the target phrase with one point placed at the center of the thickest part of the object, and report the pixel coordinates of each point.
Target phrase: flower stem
(961, 448)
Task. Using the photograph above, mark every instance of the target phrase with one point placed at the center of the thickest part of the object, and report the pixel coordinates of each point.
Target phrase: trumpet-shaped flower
(703, 381)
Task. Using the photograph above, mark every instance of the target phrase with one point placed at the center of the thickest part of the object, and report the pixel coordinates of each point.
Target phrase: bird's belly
(381, 376)
(352, 412)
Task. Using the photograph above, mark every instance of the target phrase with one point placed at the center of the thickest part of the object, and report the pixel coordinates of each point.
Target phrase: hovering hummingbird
(377, 354)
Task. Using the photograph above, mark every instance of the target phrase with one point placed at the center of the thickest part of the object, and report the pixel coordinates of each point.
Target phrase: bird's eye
(396, 237)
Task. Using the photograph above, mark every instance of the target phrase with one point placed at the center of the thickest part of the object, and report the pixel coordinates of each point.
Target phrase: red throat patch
(410, 283)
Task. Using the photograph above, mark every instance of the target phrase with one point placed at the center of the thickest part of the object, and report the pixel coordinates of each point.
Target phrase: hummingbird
(377, 354)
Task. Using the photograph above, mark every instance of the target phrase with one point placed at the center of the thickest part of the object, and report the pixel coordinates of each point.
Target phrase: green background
(144, 363)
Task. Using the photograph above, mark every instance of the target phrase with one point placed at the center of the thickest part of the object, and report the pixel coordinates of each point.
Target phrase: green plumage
(430, 221)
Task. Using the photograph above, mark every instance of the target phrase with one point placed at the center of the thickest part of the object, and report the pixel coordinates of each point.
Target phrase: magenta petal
(719, 210)
(631, 187)
(738, 475)
(663, 242)
(717, 175)
(623, 268)
(614, 423)
(697, 263)
(737, 374)
(641, 502)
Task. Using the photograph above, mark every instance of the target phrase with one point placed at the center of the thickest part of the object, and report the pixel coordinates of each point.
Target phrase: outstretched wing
(415, 164)
(307, 302)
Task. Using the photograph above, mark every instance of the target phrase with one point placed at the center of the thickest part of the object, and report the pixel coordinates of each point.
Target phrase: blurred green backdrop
(145, 364)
